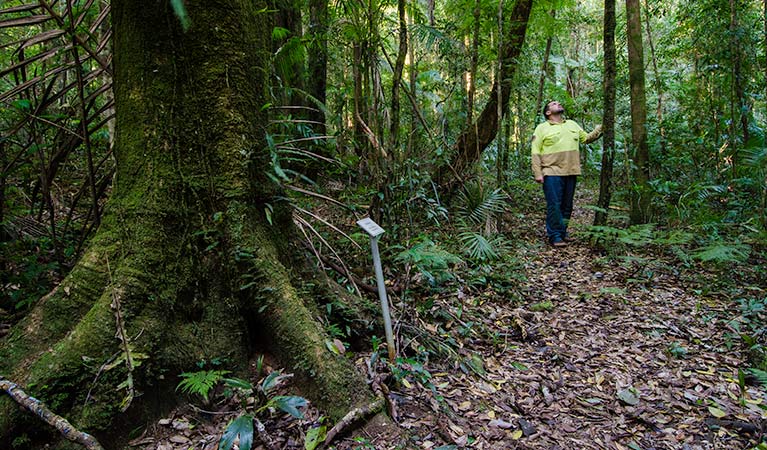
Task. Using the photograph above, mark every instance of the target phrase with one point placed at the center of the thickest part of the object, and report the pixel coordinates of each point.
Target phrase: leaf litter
(592, 357)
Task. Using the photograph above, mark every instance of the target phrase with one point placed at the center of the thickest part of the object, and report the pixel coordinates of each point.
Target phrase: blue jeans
(559, 192)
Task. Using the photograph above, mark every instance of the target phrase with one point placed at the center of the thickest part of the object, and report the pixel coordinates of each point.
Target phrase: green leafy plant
(200, 382)
(242, 427)
(476, 205)
(723, 253)
(430, 260)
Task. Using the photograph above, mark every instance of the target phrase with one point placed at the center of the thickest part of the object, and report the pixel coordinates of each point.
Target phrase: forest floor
(598, 354)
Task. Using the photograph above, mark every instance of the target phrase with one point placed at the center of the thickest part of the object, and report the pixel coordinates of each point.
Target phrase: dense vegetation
(419, 114)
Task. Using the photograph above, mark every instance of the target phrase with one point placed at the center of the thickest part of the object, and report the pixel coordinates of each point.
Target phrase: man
(557, 164)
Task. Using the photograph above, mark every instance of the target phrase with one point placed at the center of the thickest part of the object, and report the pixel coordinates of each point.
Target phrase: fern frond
(760, 375)
(721, 252)
(201, 382)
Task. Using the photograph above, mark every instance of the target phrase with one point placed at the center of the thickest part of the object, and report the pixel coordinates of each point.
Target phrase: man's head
(552, 107)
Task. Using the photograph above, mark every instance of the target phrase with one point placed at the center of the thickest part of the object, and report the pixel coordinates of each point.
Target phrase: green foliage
(478, 247)
(314, 437)
(200, 382)
(477, 205)
(722, 252)
(430, 260)
(760, 375)
(29, 272)
(242, 428)
(542, 306)
(676, 350)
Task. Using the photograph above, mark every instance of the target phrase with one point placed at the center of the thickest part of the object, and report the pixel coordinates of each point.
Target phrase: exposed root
(352, 417)
(35, 406)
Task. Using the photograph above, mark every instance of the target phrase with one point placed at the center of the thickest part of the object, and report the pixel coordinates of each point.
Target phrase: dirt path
(615, 363)
(596, 354)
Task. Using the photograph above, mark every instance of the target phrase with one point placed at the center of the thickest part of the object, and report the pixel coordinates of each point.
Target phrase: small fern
(760, 375)
(432, 261)
(201, 382)
(722, 252)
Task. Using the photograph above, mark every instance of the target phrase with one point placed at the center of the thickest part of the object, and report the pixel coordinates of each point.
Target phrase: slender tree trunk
(397, 75)
(476, 137)
(544, 69)
(640, 193)
(292, 74)
(658, 84)
(318, 61)
(474, 60)
(738, 79)
(413, 77)
(608, 116)
(764, 191)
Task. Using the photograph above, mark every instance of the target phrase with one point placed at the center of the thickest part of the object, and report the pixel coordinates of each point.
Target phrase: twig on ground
(40, 410)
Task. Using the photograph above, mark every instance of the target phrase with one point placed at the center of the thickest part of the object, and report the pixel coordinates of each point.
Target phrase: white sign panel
(372, 228)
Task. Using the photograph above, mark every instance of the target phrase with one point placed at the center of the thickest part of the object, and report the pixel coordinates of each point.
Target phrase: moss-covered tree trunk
(185, 253)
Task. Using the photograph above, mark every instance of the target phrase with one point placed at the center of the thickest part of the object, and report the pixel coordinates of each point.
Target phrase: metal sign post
(374, 230)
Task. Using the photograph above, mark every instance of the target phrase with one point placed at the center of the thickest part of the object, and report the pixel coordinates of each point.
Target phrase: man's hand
(594, 135)
(539, 179)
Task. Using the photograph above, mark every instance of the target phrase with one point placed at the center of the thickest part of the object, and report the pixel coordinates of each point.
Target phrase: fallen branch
(36, 407)
(353, 416)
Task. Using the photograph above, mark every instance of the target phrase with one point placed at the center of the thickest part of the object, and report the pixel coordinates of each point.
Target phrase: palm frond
(478, 247)
(477, 205)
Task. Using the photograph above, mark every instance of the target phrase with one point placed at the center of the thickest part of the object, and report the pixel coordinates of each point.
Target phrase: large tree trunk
(477, 136)
(640, 194)
(608, 117)
(184, 252)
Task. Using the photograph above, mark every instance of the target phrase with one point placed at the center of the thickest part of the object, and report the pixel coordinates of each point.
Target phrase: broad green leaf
(628, 396)
(314, 437)
(238, 383)
(290, 405)
(716, 412)
(272, 380)
(242, 427)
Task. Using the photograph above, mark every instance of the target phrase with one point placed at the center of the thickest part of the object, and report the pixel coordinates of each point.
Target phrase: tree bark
(184, 254)
(477, 136)
(399, 66)
(608, 116)
(658, 84)
(640, 193)
(474, 60)
(544, 69)
(318, 61)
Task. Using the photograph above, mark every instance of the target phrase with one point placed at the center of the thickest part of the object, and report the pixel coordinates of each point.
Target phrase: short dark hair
(546, 107)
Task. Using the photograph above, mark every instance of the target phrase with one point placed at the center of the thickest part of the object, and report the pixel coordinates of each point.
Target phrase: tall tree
(476, 137)
(187, 263)
(399, 66)
(658, 83)
(544, 69)
(608, 116)
(318, 60)
(640, 192)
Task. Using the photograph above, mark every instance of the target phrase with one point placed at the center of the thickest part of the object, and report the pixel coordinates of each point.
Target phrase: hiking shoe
(559, 244)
